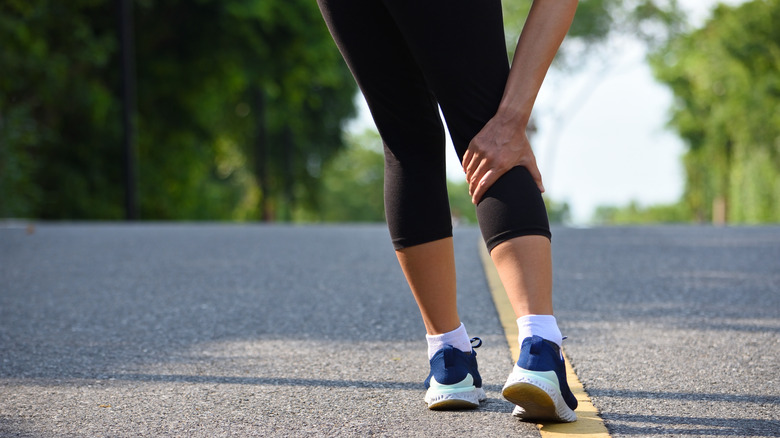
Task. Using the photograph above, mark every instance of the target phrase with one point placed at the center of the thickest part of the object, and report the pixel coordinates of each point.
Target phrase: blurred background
(655, 111)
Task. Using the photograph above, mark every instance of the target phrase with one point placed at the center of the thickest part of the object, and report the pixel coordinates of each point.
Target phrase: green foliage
(726, 82)
(461, 208)
(18, 136)
(594, 19)
(56, 111)
(652, 21)
(238, 104)
(351, 183)
(635, 214)
(263, 81)
(557, 212)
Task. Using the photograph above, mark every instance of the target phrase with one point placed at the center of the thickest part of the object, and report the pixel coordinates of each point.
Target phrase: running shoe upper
(538, 354)
(450, 366)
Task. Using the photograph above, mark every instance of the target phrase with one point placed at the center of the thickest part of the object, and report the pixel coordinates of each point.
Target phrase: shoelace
(477, 340)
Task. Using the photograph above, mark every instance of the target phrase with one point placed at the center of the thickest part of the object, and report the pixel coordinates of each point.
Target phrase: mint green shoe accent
(461, 395)
(464, 385)
(537, 395)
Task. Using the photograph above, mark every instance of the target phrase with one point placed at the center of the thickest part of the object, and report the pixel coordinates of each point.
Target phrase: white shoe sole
(537, 396)
(462, 395)
(456, 400)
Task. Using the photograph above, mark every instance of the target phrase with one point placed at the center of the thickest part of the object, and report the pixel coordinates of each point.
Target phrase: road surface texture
(249, 330)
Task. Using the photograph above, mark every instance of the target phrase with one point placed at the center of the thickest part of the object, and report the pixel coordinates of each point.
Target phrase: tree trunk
(261, 157)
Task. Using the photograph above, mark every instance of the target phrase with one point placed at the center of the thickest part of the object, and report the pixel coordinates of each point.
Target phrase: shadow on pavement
(645, 425)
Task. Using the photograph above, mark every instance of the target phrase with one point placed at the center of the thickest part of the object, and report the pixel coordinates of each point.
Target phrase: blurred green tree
(351, 183)
(726, 81)
(635, 214)
(58, 111)
(239, 104)
(651, 21)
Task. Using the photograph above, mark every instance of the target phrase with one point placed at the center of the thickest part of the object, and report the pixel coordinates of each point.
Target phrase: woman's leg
(461, 49)
(524, 265)
(416, 204)
(407, 117)
(430, 270)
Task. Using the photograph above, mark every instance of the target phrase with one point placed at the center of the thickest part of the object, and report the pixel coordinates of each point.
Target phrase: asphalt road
(233, 330)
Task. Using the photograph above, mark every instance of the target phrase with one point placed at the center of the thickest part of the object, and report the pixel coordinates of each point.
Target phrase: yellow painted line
(588, 421)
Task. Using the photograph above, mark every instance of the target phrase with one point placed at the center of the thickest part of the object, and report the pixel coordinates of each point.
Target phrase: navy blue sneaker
(538, 385)
(454, 381)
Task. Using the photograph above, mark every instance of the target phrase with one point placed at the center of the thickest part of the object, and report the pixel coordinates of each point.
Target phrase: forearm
(544, 30)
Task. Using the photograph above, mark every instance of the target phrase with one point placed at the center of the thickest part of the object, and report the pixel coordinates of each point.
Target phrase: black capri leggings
(409, 57)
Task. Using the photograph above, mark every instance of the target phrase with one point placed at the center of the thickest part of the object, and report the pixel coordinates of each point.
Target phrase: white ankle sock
(458, 338)
(540, 325)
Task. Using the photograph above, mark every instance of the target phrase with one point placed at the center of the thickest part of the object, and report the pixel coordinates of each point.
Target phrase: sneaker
(454, 381)
(538, 385)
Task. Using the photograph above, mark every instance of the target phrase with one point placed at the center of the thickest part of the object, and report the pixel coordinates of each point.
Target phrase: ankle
(458, 338)
(544, 326)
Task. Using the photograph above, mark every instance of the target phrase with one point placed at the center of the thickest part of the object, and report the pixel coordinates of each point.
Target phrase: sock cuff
(545, 326)
(458, 338)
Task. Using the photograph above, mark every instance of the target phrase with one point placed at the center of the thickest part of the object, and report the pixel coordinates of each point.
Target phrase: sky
(602, 137)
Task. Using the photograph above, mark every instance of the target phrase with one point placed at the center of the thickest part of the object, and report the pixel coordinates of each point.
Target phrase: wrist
(512, 115)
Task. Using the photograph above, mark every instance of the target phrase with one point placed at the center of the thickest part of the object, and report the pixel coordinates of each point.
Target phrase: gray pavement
(675, 331)
(233, 330)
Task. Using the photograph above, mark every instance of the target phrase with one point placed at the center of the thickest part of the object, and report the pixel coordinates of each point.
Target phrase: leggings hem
(507, 235)
(406, 242)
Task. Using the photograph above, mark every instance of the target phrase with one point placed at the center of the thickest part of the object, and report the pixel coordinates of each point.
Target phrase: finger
(470, 159)
(467, 157)
(483, 185)
(476, 174)
(533, 169)
(473, 165)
